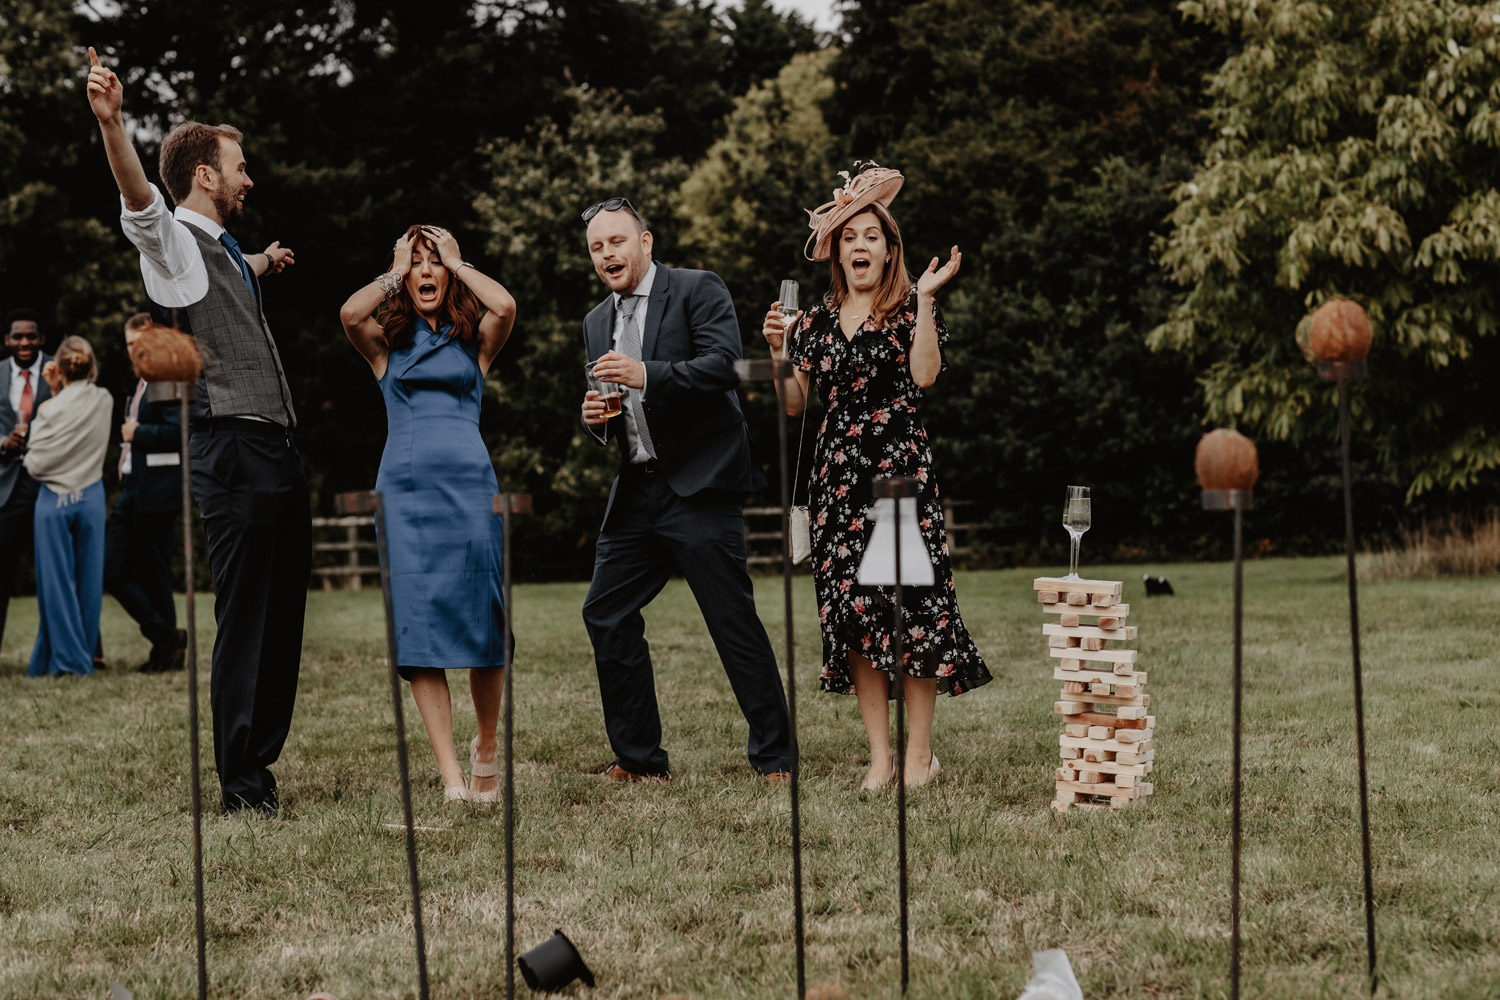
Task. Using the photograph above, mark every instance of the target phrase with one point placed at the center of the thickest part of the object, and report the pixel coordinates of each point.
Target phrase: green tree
(1041, 137)
(1354, 155)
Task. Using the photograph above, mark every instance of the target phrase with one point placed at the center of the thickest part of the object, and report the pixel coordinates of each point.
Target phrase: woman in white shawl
(65, 455)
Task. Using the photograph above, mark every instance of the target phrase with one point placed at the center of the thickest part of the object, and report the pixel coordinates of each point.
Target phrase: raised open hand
(106, 94)
(936, 277)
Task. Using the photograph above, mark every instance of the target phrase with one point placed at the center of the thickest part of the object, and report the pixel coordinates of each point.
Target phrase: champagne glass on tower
(1076, 519)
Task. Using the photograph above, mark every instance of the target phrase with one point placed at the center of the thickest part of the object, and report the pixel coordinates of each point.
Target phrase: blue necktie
(239, 258)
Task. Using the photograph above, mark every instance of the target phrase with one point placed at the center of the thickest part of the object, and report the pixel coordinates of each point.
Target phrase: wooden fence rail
(345, 557)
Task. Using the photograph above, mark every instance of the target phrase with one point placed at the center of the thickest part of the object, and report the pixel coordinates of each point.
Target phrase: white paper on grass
(1054, 978)
(878, 568)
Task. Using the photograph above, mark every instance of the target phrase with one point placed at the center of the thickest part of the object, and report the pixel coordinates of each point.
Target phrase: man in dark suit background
(670, 337)
(138, 536)
(24, 391)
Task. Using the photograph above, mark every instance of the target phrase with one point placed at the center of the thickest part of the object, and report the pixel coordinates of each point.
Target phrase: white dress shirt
(171, 263)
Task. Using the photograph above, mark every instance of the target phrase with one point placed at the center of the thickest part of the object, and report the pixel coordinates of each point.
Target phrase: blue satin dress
(438, 487)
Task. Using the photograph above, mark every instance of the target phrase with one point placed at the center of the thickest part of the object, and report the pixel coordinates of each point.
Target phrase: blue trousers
(69, 532)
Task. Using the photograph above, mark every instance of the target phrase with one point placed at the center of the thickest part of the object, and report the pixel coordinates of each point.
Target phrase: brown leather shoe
(777, 777)
(614, 772)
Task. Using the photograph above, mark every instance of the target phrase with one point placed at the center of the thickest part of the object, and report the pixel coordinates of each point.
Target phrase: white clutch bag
(800, 537)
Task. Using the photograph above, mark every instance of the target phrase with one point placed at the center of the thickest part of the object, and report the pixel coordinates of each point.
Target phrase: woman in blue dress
(430, 327)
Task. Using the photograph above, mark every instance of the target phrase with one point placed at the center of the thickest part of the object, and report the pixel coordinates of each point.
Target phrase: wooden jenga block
(1074, 687)
(1124, 633)
(1103, 733)
(1070, 707)
(1105, 719)
(1069, 753)
(1076, 732)
(1091, 644)
(1099, 688)
(1071, 664)
(1101, 788)
(1103, 600)
(1125, 689)
(1094, 756)
(1060, 607)
(1124, 669)
(1068, 621)
(1097, 655)
(1131, 711)
(1112, 766)
(1061, 641)
(1077, 600)
(1109, 622)
(1066, 774)
(1113, 746)
(1121, 780)
(1137, 753)
(1049, 597)
(1102, 675)
(1113, 588)
(1090, 778)
(1133, 735)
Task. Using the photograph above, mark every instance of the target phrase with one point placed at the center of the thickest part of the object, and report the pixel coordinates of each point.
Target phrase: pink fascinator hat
(870, 184)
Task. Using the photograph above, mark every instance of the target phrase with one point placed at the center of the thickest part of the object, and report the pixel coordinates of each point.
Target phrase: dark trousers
(251, 492)
(138, 565)
(652, 532)
(16, 537)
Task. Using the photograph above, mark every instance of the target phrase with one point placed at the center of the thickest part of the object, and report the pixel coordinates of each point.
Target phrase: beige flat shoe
(455, 793)
(480, 769)
(933, 770)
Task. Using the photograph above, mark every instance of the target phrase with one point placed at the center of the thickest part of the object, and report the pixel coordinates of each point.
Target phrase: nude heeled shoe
(480, 769)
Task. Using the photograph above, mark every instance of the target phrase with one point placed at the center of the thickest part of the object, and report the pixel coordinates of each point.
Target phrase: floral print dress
(871, 428)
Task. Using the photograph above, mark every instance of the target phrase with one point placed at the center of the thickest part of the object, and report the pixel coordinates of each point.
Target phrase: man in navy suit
(138, 536)
(670, 337)
(25, 390)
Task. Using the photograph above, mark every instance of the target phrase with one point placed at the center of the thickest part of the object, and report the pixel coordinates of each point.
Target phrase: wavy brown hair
(397, 316)
(895, 282)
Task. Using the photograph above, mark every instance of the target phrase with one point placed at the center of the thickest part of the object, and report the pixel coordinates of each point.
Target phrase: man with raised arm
(246, 477)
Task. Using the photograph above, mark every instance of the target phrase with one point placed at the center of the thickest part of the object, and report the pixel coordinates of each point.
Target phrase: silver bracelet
(462, 266)
(389, 282)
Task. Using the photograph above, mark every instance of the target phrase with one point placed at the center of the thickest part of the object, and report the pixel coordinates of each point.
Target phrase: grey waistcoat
(242, 373)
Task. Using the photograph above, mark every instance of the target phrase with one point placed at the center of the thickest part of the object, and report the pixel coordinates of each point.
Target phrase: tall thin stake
(184, 391)
(1234, 952)
(791, 691)
(397, 710)
(1359, 696)
(506, 504)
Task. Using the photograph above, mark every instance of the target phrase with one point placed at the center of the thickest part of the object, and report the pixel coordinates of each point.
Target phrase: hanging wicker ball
(162, 354)
(1226, 460)
(1340, 332)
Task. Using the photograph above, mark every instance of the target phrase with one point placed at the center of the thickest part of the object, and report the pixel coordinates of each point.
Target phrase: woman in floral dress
(868, 352)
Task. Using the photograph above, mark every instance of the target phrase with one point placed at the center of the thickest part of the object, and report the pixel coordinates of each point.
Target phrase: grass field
(685, 889)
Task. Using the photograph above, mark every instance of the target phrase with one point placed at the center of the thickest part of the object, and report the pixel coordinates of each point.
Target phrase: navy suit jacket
(689, 344)
(157, 481)
(11, 467)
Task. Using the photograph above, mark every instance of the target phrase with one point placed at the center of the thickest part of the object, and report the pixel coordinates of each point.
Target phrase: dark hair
(75, 359)
(186, 148)
(22, 316)
(397, 315)
(138, 322)
(895, 283)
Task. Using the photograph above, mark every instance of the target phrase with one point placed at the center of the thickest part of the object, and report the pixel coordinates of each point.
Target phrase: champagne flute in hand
(788, 299)
(1076, 519)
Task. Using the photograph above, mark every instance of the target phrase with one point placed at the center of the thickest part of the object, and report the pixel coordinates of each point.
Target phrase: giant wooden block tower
(1106, 745)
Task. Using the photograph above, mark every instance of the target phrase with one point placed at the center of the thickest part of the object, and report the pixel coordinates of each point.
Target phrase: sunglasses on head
(610, 205)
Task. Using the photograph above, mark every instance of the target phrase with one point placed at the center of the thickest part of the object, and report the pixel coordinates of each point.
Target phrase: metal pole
(1359, 697)
(1234, 960)
(784, 368)
(370, 501)
(400, 715)
(510, 774)
(184, 392)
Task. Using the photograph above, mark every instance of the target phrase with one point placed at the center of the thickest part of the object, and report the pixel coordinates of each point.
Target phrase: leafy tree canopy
(1354, 155)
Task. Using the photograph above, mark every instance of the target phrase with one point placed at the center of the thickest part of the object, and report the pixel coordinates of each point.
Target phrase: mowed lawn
(685, 890)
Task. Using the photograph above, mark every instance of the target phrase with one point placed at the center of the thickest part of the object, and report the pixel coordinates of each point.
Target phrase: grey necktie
(630, 344)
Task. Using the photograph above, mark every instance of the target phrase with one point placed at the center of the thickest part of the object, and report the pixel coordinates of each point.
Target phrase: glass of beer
(611, 394)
